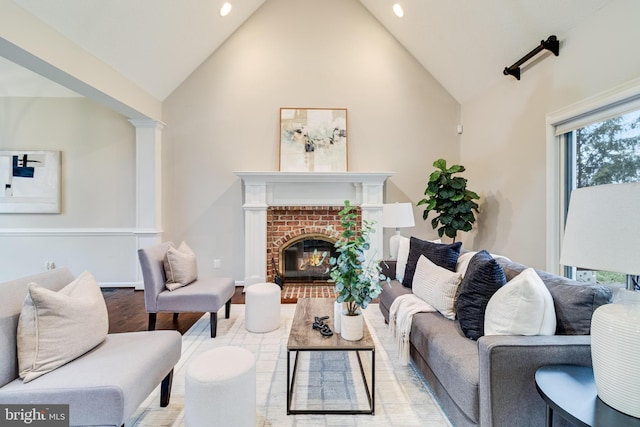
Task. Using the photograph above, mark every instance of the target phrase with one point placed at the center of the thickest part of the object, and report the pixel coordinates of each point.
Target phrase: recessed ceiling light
(225, 9)
(397, 9)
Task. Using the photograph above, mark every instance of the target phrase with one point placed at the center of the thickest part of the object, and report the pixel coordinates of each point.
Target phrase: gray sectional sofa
(490, 382)
(102, 387)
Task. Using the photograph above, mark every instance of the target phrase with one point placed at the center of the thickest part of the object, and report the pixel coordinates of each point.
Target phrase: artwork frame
(313, 140)
(30, 181)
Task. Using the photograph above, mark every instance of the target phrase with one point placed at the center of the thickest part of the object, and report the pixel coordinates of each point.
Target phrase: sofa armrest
(507, 368)
(389, 268)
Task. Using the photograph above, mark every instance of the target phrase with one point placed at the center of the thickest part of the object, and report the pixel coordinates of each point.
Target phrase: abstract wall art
(30, 182)
(313, 140)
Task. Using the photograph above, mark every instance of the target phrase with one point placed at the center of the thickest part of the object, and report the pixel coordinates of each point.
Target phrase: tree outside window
(607, 152)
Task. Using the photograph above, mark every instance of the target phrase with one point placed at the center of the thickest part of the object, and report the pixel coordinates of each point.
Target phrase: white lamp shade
(603, 229)
(397, 215)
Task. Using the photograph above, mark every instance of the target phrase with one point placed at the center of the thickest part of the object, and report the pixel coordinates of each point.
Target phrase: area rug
(402, 397)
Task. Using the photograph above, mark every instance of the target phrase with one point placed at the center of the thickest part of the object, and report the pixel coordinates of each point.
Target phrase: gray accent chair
(203, 295)
(103, 387)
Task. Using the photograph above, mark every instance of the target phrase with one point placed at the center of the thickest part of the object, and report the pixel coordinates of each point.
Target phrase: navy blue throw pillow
(443, 255)
(484, 276)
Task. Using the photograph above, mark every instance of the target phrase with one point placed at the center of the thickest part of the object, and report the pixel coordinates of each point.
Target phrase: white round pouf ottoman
(220, 389)
(262, 307)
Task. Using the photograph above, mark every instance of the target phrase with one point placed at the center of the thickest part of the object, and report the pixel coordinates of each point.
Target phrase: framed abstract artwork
(313, 139)
(30, 181)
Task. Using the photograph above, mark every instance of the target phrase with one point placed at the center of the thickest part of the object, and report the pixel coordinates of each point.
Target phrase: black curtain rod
(551, 44)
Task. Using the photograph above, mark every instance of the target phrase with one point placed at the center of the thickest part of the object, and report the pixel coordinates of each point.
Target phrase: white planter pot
(351, 326)
(615, 351)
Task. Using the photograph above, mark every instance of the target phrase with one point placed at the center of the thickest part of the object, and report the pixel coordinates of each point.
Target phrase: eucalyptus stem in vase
(357, 279)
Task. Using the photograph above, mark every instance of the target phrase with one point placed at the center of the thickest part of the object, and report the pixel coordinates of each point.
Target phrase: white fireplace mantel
(264, 189)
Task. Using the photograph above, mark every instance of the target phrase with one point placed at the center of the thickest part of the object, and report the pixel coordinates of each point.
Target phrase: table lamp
(397, 215)
(602, 232)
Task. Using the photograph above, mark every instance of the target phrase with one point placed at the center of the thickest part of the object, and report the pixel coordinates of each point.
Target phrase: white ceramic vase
(615, 351)
(337, 314)
(351, 326)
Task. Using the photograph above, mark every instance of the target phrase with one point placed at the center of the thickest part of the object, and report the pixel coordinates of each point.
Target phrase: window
(594, 140)
(604, 152)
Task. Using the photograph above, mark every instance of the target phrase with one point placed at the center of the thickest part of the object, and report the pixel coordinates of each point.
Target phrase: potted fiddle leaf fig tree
(449, 198)
(357, 280)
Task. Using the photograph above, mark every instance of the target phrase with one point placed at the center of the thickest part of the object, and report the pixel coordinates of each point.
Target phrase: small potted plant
(357, 279)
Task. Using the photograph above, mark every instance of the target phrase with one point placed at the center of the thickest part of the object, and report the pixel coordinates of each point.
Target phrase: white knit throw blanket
(400, 317)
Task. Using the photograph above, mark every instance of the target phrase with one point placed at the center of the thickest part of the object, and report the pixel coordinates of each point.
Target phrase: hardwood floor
(127, 313)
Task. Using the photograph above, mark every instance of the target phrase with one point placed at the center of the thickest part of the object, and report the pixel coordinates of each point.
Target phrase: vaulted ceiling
(157, 44)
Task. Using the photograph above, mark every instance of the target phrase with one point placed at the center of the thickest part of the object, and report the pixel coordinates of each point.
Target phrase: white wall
(504, 140)
(308, 53)
(97, 185)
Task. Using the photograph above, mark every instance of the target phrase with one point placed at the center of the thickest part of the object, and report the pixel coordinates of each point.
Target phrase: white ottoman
(220, 389)
(262, 307)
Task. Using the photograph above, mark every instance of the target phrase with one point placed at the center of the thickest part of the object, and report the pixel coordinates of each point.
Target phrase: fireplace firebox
(300, 242)
(306, 260)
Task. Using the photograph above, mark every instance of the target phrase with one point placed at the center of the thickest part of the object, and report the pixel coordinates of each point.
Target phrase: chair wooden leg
(214, 324)
(152, 321)
(175, 317)
(227, 309)
(165, 389)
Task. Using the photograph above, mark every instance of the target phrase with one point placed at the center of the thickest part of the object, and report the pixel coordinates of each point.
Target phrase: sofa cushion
(483, 278)
(180, 266)
(523, 306)
(441, 254)
(451, 356)
(57, 327)
(574, 302)
(437, 286)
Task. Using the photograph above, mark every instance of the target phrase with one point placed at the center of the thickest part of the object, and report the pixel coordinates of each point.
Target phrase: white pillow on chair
(180, 266)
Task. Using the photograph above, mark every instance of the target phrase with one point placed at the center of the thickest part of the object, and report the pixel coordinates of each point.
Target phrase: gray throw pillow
(574, 301)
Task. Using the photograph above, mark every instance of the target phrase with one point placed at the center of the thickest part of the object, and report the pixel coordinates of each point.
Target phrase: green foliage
(357, 280)
(607, 152)
(449, 198)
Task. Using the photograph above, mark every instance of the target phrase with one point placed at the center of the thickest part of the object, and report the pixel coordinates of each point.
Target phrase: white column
(148, 184)
(255, 232)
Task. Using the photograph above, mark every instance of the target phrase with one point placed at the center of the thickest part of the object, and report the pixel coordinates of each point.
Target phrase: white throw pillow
(180, 266)
(403, 255)
(437, 286)
(463, 262)
(523, 306)
(56, 327)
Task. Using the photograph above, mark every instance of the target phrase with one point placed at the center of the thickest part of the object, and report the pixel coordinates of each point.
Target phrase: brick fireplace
(288, 227)
(280, 207)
